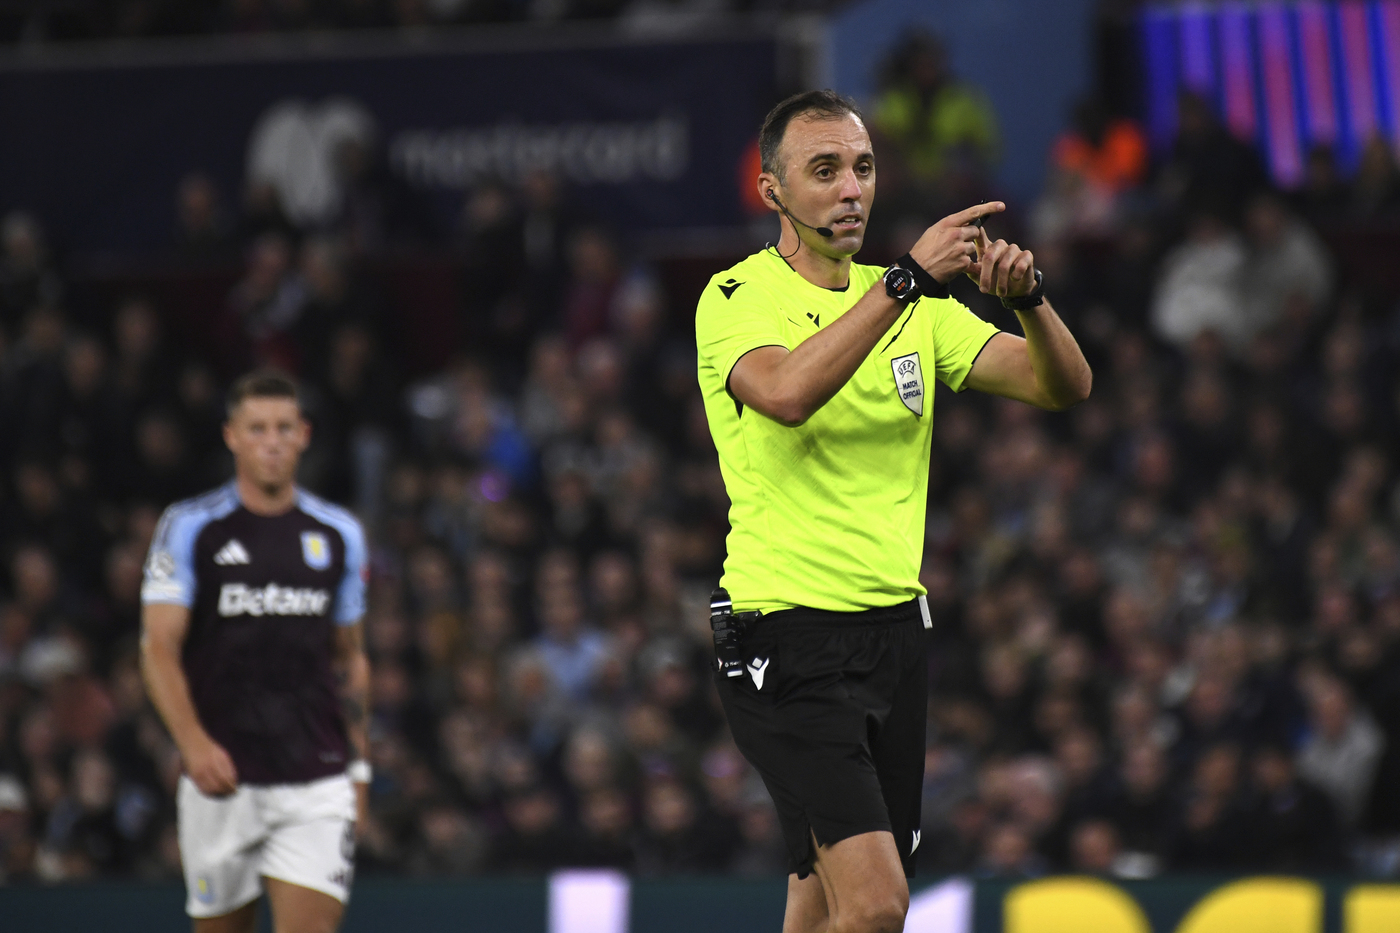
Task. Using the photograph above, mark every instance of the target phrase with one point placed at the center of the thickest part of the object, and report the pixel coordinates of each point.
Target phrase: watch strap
(928, 285)
(1026, 302)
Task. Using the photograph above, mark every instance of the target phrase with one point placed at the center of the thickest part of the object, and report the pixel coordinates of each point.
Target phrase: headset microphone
(824, 231)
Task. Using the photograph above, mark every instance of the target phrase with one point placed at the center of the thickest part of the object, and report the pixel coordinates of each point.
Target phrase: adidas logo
(231, 553)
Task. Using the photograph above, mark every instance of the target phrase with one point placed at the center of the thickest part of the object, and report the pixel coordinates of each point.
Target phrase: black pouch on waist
(729, 630)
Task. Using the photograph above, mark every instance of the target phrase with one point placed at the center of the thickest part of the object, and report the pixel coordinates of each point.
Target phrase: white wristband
(359, 771)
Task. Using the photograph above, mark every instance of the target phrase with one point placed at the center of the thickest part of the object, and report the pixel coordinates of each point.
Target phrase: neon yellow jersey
(830, 514)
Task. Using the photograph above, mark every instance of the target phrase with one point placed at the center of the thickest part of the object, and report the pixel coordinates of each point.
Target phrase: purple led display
(1319, 91)
(1237, 55)
(1280, 100)
(1285, 76)
(1358, 89)
(1388, 47)
(1197, 54)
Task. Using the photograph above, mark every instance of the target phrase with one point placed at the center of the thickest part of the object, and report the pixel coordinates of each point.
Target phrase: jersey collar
(843, 288)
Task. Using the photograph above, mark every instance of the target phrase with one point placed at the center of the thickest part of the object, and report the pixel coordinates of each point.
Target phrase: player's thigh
(312, 840)
(865, 885)
(242, 920)
(296, 909)
(220, 844)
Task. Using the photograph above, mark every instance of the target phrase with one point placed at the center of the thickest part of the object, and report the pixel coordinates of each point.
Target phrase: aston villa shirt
(265, 594)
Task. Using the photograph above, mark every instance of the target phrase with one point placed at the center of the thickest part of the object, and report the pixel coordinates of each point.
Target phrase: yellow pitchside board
(1072, 905)
(1258, 905)
(1252, 905)
(1372, 908)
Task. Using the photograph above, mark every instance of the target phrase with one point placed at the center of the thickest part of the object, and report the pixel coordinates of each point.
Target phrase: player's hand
(361, 810)
(210, 767)
(949, 247)
(1002, 269)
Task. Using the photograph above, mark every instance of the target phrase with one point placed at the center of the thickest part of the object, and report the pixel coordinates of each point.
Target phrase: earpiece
(773, 196)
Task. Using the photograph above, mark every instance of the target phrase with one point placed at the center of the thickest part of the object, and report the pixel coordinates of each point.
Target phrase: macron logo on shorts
(236, 599)
(232, 553)
(757, 669)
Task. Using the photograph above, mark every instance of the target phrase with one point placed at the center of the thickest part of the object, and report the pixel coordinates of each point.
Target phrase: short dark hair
(265, 383)
(819, 105)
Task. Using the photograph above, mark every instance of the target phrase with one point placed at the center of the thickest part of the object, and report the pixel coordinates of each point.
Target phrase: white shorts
(300, 833)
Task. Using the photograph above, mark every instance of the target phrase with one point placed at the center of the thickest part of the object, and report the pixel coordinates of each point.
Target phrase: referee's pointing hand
(949, 247)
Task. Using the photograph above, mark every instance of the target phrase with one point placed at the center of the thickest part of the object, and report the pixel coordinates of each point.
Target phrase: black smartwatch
(899, 284)
(1026, 302)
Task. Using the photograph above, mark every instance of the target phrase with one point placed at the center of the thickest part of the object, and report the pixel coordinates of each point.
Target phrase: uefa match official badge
(909, 382)
(316, 550)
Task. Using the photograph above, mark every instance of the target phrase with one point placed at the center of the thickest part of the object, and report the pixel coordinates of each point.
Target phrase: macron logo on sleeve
(232, 553)
(729, 288)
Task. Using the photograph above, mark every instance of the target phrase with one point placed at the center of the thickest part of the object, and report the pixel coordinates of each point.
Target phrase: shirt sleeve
(732, 319)
(169, 573)
(958, 337)
(350, 597)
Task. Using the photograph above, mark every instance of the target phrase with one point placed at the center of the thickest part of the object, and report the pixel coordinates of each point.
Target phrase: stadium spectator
(202, 232)
(27, 279)
(1342, 749)
(1207, 164)
(1199, 289)
(943, 130)
(1376, 188)
(1286, 265)
(1091, 165)
(1293, 825)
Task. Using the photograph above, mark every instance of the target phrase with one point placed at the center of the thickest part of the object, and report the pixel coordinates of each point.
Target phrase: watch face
(898, 282)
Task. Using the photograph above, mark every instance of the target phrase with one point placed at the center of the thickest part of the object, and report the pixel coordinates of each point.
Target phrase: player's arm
(163, 630)
(1046, 368)
(790, 386)
(352, 673)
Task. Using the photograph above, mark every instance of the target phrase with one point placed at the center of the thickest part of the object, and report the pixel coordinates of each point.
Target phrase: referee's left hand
(1002, 269)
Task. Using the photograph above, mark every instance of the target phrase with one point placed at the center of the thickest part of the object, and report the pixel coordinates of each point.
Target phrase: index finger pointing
(972, 213)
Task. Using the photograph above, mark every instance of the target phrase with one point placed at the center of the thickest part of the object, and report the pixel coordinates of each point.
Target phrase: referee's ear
(768, 191)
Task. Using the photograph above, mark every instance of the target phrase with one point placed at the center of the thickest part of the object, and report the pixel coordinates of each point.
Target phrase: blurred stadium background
(1167, 624)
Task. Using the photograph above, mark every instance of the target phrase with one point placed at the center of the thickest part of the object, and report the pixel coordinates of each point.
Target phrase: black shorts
(832, 711)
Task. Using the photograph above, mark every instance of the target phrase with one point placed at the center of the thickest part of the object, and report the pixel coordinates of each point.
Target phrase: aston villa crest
(315, 550)
(909, 382)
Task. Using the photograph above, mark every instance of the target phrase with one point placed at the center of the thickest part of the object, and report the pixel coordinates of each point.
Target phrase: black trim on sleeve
(739, 406)
(978, 357)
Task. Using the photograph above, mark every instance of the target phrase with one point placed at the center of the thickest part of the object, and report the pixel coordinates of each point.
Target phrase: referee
(815, 376)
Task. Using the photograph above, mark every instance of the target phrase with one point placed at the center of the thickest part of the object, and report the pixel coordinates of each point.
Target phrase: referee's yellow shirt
(828, 515)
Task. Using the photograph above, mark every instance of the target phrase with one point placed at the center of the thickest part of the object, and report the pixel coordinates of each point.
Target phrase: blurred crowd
(1166, 624)
(36, 22)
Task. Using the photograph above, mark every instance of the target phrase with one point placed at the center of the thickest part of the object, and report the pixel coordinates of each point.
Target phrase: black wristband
(928, 285)
(1026, 302)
